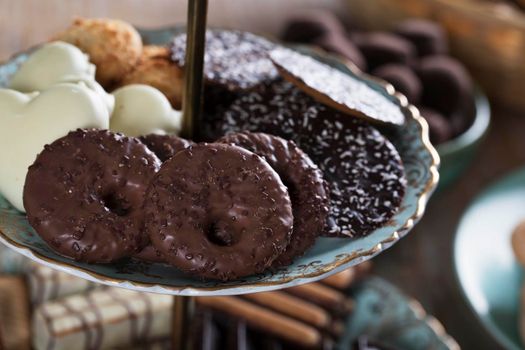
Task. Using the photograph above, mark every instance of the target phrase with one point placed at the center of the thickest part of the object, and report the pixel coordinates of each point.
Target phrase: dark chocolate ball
(403, 79)
(428, 37)
(306, 27)
(446, 83)
(440, 129)
(339, 44)
(380, 48)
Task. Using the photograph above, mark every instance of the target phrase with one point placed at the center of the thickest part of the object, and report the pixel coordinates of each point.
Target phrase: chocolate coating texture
(234, 60)
(90, 208)
(165, 146)
(306, 186)
(218, 211)
(363, 169)
(440, 129)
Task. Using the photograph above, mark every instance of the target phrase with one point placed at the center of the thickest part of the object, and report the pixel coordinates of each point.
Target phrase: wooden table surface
(421, 264)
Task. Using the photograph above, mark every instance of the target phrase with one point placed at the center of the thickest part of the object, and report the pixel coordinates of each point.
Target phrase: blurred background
(486, 37)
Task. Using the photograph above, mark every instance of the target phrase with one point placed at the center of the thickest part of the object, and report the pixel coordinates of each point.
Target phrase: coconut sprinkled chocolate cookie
(218, 211)
(233, 59)
(335, 88)
(305, 183)
(363, 169)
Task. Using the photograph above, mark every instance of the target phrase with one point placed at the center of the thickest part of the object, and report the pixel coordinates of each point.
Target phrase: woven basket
(489, 38)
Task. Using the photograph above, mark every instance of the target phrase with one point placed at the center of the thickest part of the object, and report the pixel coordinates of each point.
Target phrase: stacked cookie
(413, 57)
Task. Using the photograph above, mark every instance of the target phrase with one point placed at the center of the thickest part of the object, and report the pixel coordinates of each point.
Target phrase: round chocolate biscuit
(90, 208)
(305, 183)
(335, 88)
(362, 168)
(234, 60)
(165, 146)
(219, 212)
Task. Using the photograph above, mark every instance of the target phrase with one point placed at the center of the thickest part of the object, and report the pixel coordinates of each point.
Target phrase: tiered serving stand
(327, 257)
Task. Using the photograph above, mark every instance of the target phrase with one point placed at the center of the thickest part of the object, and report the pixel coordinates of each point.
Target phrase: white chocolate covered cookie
(141, 110)
(58, 62)
(30, 121)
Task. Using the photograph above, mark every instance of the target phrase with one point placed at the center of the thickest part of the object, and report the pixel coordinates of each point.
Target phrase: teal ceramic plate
(328, 256)
(485, 265)
(383, 313)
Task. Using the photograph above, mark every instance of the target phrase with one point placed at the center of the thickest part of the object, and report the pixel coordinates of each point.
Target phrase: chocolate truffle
(339, 44)
(440, 129)
(446, 83)
(403, 79)
(307, 27)
(428, 37)
(380, 48)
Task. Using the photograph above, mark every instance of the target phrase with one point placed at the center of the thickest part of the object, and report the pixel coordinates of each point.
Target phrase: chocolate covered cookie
(165, 146)
(335, 88)
(218, 211)
(304, 180)
(233, 60)
(363, 169)
(84, 194)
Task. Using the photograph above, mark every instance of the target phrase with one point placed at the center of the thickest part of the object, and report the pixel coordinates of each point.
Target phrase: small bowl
(488, 37)
(456, 154)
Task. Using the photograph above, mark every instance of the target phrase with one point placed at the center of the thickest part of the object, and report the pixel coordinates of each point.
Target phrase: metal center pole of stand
(193, 69)
(183, 306)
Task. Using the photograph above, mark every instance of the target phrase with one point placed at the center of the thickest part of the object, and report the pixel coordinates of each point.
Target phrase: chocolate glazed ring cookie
(90, 209)
(305, 184)
(219, 212)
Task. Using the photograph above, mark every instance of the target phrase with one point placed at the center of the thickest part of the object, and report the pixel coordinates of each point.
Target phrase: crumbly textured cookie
(363, 169)
(218, 212)
(114, 46)
(335, 88)
(156, 69)
(165, 146)
(90, 208)
(306, 186)
(234, 60)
